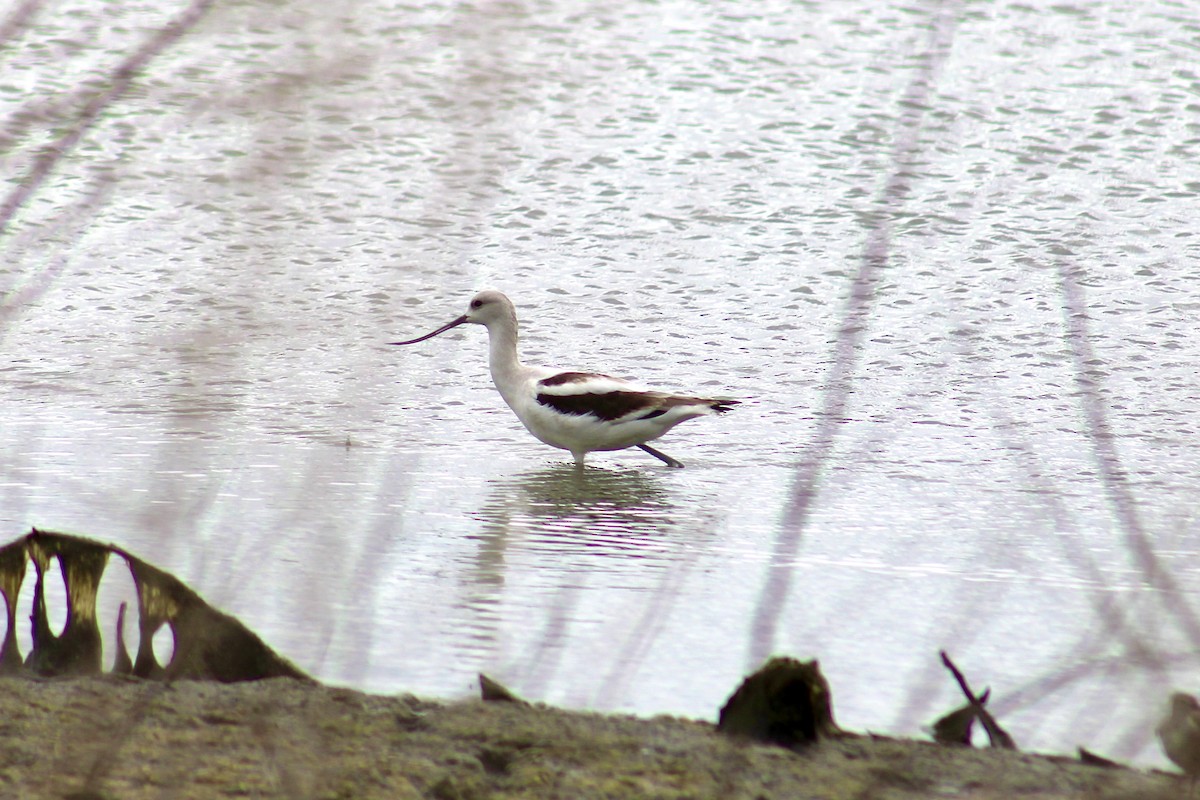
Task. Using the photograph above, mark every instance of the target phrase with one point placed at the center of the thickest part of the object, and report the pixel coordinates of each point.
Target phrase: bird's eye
(476, 303)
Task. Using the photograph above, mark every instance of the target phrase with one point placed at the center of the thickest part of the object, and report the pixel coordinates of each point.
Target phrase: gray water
(945, 253)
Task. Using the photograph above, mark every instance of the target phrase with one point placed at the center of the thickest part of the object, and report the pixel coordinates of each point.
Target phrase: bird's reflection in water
(554, 533)
(564, 510)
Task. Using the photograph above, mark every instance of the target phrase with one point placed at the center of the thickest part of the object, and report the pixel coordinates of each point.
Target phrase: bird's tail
(722, 404)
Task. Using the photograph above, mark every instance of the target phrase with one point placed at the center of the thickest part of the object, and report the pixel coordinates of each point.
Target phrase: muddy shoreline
(129, 739)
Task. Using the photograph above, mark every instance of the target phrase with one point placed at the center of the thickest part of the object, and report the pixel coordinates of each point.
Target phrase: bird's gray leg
(661, 456)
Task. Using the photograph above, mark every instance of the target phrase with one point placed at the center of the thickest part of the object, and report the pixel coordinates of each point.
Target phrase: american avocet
(576, 411)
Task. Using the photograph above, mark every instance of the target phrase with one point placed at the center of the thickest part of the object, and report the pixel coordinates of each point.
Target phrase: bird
(577, 411)
(1179, 732)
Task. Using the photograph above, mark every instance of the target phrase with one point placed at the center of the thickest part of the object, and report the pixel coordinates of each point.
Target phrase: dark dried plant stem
(943, 21)
(118, 84)
(1100, 434)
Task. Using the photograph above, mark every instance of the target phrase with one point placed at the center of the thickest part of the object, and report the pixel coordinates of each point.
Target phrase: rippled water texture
(946, 253)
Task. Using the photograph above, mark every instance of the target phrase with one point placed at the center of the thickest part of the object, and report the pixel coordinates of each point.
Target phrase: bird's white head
(490, 306)
(486, 308)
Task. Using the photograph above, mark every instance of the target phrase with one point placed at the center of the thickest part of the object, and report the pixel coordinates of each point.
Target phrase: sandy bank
(127, 739)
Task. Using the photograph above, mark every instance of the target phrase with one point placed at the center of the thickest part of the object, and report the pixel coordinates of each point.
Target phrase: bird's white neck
(503, 361)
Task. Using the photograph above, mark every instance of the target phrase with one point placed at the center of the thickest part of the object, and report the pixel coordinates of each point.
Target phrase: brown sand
(126, 739)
